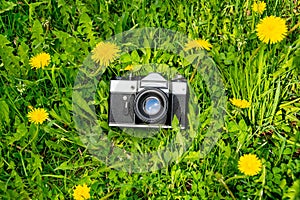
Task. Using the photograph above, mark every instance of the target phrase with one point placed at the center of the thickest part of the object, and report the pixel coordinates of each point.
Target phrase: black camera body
(150, 101)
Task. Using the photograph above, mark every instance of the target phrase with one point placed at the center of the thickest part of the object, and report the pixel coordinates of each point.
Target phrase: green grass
(49, 160)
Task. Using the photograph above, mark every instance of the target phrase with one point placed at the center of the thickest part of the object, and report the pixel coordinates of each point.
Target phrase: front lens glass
(152, 105)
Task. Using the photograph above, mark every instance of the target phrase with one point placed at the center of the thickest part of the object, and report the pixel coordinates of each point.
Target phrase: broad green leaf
(10, 61)
(293, 192)
(82, 104)
(232, 126)
(193, 156)
(64, 166)
(37, 34)
(23, 52)
(242, 125)
(125, 58)
(85, 19)
(6, 6)
(175, 122)
(135, 57)
(21, 132)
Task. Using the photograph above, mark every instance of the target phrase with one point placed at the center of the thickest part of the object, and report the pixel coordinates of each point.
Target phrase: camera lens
(152, 105)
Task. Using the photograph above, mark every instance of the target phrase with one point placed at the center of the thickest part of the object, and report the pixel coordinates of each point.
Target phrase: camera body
(150, 101)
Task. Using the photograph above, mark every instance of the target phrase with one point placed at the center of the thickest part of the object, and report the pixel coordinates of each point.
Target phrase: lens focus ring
(151, 105)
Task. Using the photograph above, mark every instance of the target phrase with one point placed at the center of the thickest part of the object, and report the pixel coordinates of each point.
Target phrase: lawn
(241, 60)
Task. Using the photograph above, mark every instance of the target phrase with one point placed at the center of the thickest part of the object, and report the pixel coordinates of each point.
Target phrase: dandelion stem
(280, 138)
(33, 138)
(227, 188)
(253, 23)
(193, 75)
(58, 126)
(294, 28)
(235, 177)
(256, 51)
(108, 195)
(263, 182)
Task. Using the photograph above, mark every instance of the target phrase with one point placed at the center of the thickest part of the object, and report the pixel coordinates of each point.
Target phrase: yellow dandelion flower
(37, 115)
(81, 192)
(259, 7)
(199, 44)
(129, 68)
(271, 29)
(241, 103)
(249, 164)
(104, 53)
(40, 61)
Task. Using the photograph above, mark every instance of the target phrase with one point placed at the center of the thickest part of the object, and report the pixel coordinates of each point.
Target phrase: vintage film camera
(150, 101)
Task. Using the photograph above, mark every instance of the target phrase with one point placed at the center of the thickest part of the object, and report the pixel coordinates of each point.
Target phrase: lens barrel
(151, 105)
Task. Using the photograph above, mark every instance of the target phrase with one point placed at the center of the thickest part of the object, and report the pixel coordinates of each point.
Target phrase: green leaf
(192, 57)
(241, 138)
(86, 27)
(125, 58)
(82, 104)
(37, 161)
(276, 101)
(232, 127)
(37, 34)
(9, 60)
(3, 41)
(175, 122)
(32, 6)
(118, 26)
(68, 166)
(287, 151)
(85, 19)
(163, 68)
(23, 52)
(193, 156)
(135, 56)
(293, 192)
(37, 30)
(64, 166)
(242, 125)
(21, 132)
(4, 110)
(6, 6)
